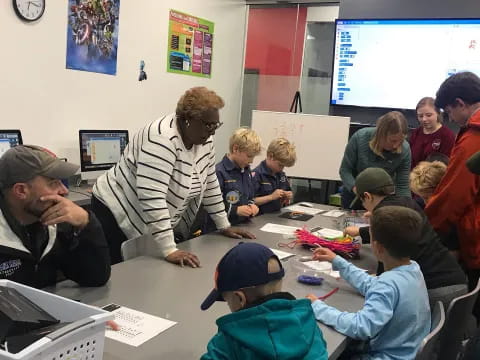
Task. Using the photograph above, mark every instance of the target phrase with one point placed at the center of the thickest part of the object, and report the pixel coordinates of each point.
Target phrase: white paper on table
(324, 267)
(329, 233)
(136, 327)
(279, 229)
(304, 209)
(281, 254)
(334, 213)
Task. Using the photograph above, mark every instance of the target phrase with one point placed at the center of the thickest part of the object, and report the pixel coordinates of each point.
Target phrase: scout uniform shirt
(237, 188)
(266, 183)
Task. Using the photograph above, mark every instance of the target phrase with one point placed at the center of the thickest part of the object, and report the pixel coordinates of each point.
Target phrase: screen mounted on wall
(394, 63)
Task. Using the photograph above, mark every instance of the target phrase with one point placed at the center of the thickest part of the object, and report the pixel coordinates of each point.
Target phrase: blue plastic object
(310, 280)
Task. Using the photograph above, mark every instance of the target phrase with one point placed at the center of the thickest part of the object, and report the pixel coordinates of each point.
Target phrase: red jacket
(456, 201)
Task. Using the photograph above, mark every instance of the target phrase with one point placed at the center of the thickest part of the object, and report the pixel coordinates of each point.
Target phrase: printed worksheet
(135, 327)
(282, 254)
(279, 229)
(304, 209)
(334, 213)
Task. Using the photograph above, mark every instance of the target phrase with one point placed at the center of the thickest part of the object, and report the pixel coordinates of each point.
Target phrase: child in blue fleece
(396, 315)
(265, 323)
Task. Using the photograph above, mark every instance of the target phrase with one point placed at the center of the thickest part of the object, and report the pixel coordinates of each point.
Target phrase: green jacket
(278, 328)
(358, 156)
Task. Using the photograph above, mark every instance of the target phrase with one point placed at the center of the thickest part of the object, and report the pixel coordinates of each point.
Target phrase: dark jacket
(33, 254)
(266, 183)
(237, 188)
(278, 327)
(438, 266)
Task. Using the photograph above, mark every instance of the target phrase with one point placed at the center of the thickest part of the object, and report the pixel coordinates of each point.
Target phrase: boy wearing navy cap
(272, 189)
(265, 323)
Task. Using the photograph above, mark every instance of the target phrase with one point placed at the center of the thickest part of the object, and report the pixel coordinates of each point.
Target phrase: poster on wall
(190, 45)
(92, 35)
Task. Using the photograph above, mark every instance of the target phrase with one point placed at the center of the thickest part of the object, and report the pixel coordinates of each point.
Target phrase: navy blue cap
(245, 265)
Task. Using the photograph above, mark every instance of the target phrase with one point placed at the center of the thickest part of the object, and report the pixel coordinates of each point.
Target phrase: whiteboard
(320, 141)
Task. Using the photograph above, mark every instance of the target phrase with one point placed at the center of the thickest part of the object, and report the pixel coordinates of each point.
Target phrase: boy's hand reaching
(352, 231)
(312, 297)
(324, 254)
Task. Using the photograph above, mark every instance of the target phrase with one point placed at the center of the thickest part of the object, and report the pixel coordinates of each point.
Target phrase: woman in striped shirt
(164, 174)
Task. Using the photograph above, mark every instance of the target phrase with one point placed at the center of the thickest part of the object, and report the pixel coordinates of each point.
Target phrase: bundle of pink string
(345, 246)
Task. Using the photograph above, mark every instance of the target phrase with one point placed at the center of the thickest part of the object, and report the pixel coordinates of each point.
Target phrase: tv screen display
(394, 63)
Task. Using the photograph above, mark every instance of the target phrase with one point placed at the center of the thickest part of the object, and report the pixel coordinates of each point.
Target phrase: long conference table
(153, 286)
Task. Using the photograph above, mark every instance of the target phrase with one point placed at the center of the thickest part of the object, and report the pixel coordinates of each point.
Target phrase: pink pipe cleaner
(344, 247)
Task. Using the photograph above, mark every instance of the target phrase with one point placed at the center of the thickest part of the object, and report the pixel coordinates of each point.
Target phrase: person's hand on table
(312, 297)
(352, 231)
(237, 233)
(244, 210)
(255, 209)
(182, 258)
(324, 254)
(113, 325)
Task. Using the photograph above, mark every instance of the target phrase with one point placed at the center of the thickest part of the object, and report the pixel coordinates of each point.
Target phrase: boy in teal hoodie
(265, 323)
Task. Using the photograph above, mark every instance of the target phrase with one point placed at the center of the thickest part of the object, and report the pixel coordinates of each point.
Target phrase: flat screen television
(393, 63)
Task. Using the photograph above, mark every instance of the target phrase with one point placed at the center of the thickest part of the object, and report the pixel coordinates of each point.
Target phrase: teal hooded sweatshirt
(276, 329)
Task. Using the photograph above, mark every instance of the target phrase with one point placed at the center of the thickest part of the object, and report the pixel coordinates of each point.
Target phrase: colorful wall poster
(190, 45)
(92, 35)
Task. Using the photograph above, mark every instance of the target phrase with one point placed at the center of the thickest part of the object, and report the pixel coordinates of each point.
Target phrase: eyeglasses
(212, 126)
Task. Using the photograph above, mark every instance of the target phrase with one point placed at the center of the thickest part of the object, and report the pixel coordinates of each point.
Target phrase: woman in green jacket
(383, 146)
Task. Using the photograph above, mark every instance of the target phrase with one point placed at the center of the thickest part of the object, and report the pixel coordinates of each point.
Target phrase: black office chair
(427, 350)
(458, 315)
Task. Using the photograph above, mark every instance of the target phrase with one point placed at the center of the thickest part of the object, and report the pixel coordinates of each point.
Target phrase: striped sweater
(149, 191)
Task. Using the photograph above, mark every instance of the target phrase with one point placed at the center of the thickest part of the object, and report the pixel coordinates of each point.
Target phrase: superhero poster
(92, 35)
(190, 45)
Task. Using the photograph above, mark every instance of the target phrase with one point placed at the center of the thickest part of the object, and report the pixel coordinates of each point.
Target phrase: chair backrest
(135, 247)
(458, 315)
(427, 350)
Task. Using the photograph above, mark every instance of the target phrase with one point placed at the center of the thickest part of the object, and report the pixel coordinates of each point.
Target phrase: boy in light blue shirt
(396, 314)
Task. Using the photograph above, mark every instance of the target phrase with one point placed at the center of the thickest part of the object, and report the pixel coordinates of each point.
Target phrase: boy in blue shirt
(272, 189)
(235, 178)
(396, 315)
(265, 323)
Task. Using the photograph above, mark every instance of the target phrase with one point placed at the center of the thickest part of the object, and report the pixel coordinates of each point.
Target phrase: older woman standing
(431, 136)
(165, 173)
(383, 146)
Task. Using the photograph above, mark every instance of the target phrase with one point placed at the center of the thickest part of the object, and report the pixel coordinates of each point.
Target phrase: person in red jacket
(456, 200)
(431, 137)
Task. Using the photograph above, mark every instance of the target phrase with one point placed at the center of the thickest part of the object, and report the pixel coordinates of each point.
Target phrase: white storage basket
(83, 339)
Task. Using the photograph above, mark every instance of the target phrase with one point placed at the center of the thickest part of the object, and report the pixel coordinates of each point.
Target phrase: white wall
(323, 13)
(50, 104)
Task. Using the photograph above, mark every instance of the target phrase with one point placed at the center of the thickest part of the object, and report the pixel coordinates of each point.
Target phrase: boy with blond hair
(265, 323)
(235, 178)
(272, 189)
(425, 178)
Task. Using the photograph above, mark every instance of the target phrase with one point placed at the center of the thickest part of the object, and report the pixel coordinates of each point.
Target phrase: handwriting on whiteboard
(288, 130)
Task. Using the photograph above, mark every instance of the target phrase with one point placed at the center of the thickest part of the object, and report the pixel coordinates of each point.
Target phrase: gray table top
(162, 289)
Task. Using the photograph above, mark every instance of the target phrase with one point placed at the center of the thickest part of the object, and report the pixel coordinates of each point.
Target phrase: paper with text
(279, 229)
(136, 327)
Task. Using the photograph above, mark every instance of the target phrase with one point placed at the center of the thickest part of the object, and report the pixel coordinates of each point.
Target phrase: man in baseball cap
(263, 319)
(41, 231)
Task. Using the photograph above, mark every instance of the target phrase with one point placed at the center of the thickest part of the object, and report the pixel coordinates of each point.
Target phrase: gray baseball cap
(371, 180)
(473, 163)
(24, 162)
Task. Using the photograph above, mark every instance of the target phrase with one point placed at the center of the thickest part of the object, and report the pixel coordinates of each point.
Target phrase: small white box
(83, 339)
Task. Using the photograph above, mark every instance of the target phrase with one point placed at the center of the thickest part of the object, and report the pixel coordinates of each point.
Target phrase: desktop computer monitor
(9, 139)
(100, 150)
